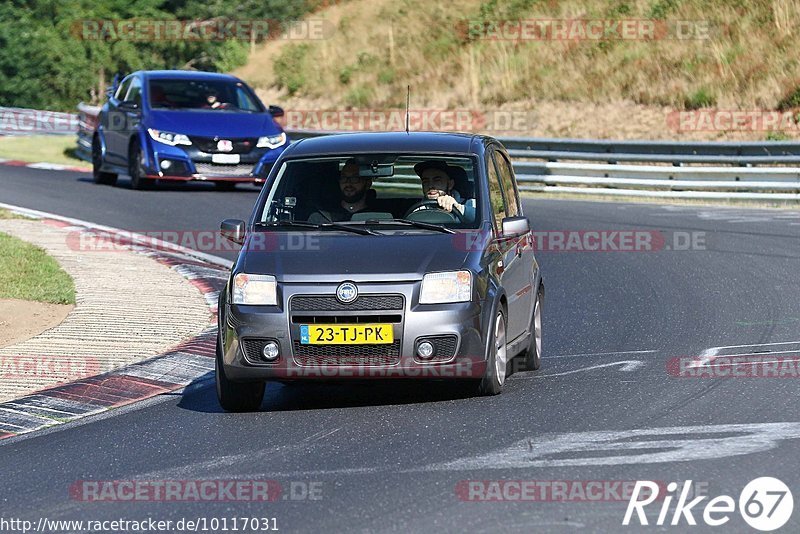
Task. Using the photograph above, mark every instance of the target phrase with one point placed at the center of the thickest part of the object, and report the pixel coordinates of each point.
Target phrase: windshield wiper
(323, 226)
(416, 224)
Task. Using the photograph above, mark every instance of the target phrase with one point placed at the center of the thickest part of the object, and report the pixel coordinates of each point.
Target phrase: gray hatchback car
(381, 256)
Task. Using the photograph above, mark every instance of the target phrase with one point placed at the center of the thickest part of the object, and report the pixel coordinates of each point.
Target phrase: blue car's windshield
(207, 95)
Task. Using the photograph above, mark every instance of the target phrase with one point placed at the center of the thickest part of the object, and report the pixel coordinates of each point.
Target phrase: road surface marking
(626, 447)
(627, 366)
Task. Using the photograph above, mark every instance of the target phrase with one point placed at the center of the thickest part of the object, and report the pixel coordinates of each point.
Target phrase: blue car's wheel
(136, 168)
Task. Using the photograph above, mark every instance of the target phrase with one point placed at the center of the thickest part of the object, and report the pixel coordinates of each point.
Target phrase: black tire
(494, 378)
(532, 357)
(100, 177)
(225, 186)
(236, 396)
(136, 171)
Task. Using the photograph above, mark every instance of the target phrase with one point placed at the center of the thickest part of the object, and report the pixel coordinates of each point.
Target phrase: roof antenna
(408, 105)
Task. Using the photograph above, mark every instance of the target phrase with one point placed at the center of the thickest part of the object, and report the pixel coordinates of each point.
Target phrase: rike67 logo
(765, 504)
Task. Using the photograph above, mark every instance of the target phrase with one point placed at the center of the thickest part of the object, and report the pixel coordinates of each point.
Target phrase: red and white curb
(44, 166)
(189, 362)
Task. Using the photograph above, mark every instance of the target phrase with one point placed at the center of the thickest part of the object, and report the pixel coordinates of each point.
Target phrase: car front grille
(211, 169)
(362, 303)
(325, 355)
(209, 145)
(326, 309)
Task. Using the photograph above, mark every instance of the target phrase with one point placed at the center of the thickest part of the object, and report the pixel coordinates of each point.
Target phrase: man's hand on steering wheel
(449, 204)
(455, 209)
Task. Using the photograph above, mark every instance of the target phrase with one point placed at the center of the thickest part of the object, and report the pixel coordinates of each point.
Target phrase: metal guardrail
(767, 170)
(690, 170)
(24, 121)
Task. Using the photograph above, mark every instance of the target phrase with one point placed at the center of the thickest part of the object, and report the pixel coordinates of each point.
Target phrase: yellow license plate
(346, 334)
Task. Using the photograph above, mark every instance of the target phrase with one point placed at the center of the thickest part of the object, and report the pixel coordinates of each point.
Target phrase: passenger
(354, 198)
(438, 182)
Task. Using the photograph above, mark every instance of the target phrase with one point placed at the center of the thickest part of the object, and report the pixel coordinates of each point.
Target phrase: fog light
(270, 351)
(166, 164)
(425, 350)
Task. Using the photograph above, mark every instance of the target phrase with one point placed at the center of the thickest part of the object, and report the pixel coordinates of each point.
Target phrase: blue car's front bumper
(185, 163)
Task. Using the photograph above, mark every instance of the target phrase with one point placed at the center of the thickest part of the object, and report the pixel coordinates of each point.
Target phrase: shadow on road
(125, 183)
(201, 396)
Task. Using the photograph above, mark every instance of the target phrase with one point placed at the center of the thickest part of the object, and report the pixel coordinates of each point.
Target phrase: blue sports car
(183, 125)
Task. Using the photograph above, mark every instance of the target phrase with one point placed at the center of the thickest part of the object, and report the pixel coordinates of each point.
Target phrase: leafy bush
(777, 136)
(790, 101)
(359, 97)
(386, 76)
(290, 67)
(701, 98)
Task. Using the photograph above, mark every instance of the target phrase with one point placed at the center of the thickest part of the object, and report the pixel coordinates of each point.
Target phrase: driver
(438, 184)
(212, 100)
(354, 198)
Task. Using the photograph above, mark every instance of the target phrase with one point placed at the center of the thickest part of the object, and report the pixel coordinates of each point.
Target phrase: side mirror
(276, 111)
(233, 230)
(516, 226)
(129, 105)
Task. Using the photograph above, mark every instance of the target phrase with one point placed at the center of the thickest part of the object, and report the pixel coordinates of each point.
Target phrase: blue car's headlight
(169, 138)
(271, 141)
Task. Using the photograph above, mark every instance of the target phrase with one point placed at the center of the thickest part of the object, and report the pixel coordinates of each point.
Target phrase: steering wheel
(434, 205)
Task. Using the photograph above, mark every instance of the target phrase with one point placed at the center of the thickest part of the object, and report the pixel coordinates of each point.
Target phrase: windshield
(372, 189)
(207, 95)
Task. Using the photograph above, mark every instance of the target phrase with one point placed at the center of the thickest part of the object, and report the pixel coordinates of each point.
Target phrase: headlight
(169, 138)
(439, 288)
(271, 141)
(257, 289)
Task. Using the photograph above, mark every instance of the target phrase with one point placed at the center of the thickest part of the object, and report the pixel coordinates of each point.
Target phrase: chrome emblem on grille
(346, 292)
(224, 145)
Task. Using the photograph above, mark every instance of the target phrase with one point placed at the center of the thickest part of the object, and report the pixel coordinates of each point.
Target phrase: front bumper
(462, 356)
(188, 163)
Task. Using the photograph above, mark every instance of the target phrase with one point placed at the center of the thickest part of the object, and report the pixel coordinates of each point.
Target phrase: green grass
(5, 214)
(41, 148)
(28, 273)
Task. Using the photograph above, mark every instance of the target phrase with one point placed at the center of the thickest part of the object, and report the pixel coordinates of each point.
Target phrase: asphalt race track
(607, 406)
